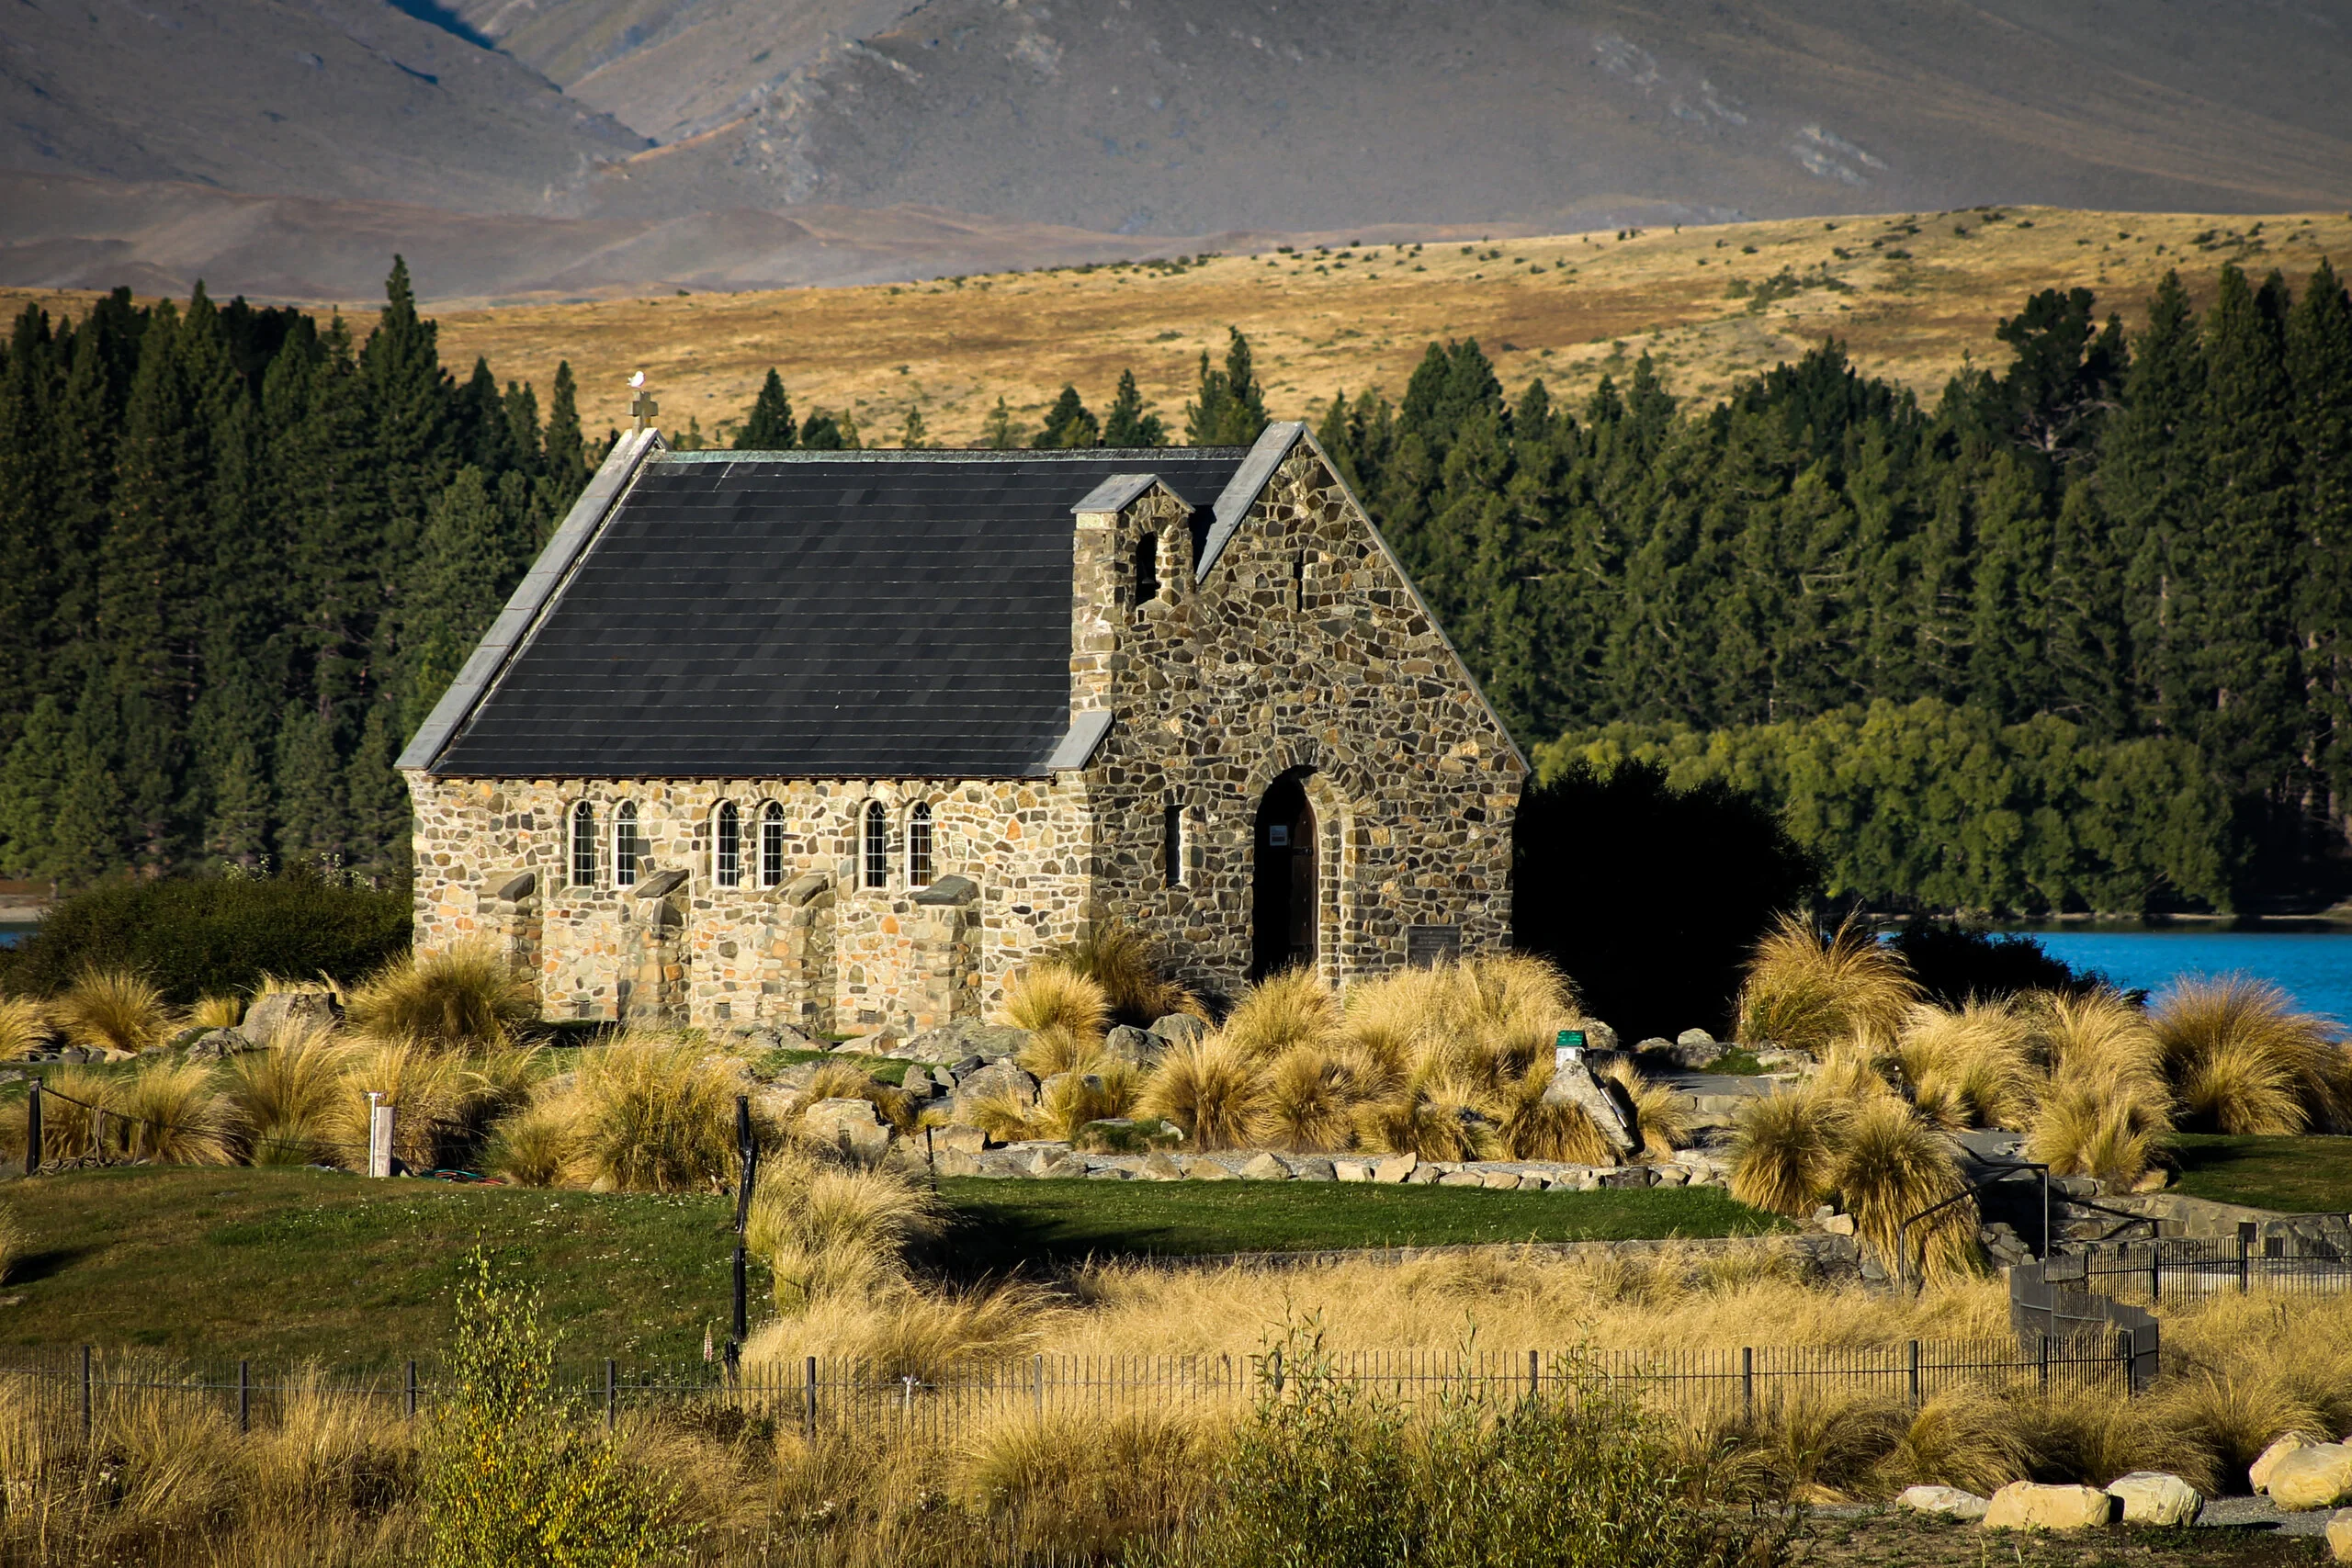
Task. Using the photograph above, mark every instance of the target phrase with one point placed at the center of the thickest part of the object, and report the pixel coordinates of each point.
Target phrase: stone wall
(819, 950)
(1305, 649)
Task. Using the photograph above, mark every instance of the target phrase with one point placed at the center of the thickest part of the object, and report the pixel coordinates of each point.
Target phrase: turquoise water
(2314, 967)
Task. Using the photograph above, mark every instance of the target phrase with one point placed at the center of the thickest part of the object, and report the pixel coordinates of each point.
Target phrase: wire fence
(2178, 1269)
(89, 1392)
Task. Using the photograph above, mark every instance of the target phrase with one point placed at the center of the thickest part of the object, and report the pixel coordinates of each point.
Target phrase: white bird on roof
(636, 378)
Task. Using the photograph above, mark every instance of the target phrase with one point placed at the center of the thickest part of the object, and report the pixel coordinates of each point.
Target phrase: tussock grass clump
(1499, 1012)
(1388, 1023)
(1533, 1128)
(2088, 1129)
(839, 1080)
(1282, 1013)
(1888, 1166)
(1070, 1101)
(288, 1100)
(1805, 994)
(1961, 1437)
(827, 1229)
(1085, 1486)
(16, 1243)
(174, 1113)
(1210, 1088)
(1045, 997)
(1969, 1067)
(24, 1027)
(656, 1115)
(536, 1147)
(1309, 1098)
(423, 1087)
(1433, 1118)
(1127, 968)
(466, 998)
(2241, 1060)
(216, 1013)
(115, 1011)
(1783, 1150)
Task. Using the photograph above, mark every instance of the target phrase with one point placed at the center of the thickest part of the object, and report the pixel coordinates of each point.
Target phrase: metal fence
(84, 1393)
(2177, 1270)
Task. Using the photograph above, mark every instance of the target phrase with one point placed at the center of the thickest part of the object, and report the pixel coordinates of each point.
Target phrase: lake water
(2314, 967)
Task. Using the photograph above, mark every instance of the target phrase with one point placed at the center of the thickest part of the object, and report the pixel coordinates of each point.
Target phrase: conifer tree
(1128, 424)
(2319, 368)
(1229, 408)
(767, 426)
(566, 452)
(1068, 425)
(1000, 433)
(2153, 484)
(32, 789)
(911, 432)
(821, 432)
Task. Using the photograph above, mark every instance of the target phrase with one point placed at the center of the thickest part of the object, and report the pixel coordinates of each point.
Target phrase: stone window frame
(773, 860)
(579, 843)
(922, 824)
(1176, 840)
(874, 846)
(726, 859)
(1143, 562)
(624, 863)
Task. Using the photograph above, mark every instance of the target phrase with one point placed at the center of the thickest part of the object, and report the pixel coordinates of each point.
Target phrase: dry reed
(1805, 994)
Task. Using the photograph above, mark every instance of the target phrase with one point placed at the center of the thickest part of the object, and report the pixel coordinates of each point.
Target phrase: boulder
(1312, 1168)
(1949, 1502)
(1047, 1158)
(2024, 1505)
(1572, 1083)
(999, 1080)
(1500, 1180)
(2318, 1476)
(1158, 1166)
(1209, 1170)
(1128, 1044)
(951, 1042)
(1264, 1167)
(1396, 1167)
(1351, 1170)
(289, 1013)
(1598, 1036)
(1178, 1027)
(2258, 1473)
(956, 1138)
(217, 1043)
(1462, 1178)
(1129, 1135)
(2339, 1535)
(918, 1083)
(2152, 1497)
(849, 1126)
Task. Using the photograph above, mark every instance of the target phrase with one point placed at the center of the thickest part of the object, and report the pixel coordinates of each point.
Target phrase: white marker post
(379, 1136)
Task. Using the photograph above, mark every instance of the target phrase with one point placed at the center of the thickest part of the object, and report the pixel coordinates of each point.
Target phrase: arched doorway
(1286, 893)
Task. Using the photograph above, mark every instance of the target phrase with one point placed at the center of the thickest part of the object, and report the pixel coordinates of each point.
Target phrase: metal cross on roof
(642, 408)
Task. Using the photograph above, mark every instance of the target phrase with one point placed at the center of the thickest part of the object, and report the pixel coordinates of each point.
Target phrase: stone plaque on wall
(1425, 946)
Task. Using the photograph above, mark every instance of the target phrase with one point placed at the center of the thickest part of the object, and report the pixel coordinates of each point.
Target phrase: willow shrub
(517, 1476)
(1574, 1475)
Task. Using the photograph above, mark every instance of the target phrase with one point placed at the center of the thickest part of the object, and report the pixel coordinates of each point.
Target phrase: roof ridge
(966, 454)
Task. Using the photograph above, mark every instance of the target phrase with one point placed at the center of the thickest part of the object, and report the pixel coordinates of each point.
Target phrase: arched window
(584, 845)
(877, 845)
(771, 846)
(1147, 569)
(919, 845)
(1171, 844)
(726, 847)
(625, 845)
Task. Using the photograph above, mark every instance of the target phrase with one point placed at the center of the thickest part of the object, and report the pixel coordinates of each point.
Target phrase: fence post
(244, 1397)
(33, 1139)
(808, 1405)
(1534, 1373)
(412, 1390)
(2246, 1256)
(1747, 1380)
(1915, 1372)
(1037, 1369)
(612, 1393)
(2156, 1273)
(2045, 1363)
(86, 1394)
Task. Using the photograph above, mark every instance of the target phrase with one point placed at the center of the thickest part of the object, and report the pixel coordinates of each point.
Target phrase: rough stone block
(2258, 1473)
(1179, 1028)
(2318, 1476)
(1208, 1170)
(1949, 1502)
(287, 1013)
(1395, 1168)
(957, 1137)
(1160, 1168)
(2152, 1497)
(1264, 1167)
(1501, 1180)
(1351, 1169)
(2339, 1535)
(1465, 1179)
(850, 1126)
(2024, 1505)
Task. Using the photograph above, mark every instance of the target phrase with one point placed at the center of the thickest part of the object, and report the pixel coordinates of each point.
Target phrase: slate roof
(801, 614)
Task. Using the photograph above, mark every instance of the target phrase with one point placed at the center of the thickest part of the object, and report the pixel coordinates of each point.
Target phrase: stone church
(840, 739)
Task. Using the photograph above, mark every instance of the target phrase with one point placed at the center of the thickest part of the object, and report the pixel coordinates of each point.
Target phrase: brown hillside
(1915, 297)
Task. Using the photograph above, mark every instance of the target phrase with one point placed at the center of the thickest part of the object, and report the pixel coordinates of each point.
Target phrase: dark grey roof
(799, 614)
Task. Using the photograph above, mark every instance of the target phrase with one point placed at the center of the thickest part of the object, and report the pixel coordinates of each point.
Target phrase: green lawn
(2296, 1175)
(278, 1264)
(1004, 1222)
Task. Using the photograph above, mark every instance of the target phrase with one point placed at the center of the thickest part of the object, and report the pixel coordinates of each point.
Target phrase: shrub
(2241, 1060)
(515, 1478)
(172, 1114)
(113, 1009)
(1807, 994)
(1047, 997)
(2102, 1041)
(656, 1116)
(214, 935)
(1208, 1088)
(1954, 965)
(468, 998)
(288, 1100)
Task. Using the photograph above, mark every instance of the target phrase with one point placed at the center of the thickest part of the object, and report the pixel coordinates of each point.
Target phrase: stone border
(1059, 1161)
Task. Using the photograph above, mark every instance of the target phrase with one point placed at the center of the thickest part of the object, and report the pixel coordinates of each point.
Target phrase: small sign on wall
(1427, 946)
(1278, 836)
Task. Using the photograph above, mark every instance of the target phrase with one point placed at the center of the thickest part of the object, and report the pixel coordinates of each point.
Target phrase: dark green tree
(767, 423)
(1068, 425)
(1127, 423)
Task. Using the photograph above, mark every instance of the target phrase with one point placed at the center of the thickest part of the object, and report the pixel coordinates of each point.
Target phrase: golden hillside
(1914, 296)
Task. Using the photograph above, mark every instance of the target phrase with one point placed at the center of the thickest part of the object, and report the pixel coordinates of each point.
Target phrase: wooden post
(2045, 1363)
(2246, 1256)
(1915, 1372)
(412, 1390)
(1534, 1371)
(2156, 1273)
(612, 1393)
(86, 1395)
(1039, 1370)
(33, 1130)
(244, 1397)
(1747, 1380)
(808, 1405)
(379, 1136)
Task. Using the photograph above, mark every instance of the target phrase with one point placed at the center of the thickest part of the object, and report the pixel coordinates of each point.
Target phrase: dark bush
(212, 936)
(1651, 897)
(1952, 963)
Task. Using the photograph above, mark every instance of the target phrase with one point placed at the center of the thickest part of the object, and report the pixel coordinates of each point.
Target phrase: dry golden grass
(465, 999)
(172, 1112)
(216, 1013)
(1209, 1088)
(288, 1100)
(113, 1009)
(1052, 997)
(2243, 1060)
(1805, 994)
(1128, 968)
(828, 1229)
(877, 351)
(1971, 1067)
(1282, 1013)
(24, 1027)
